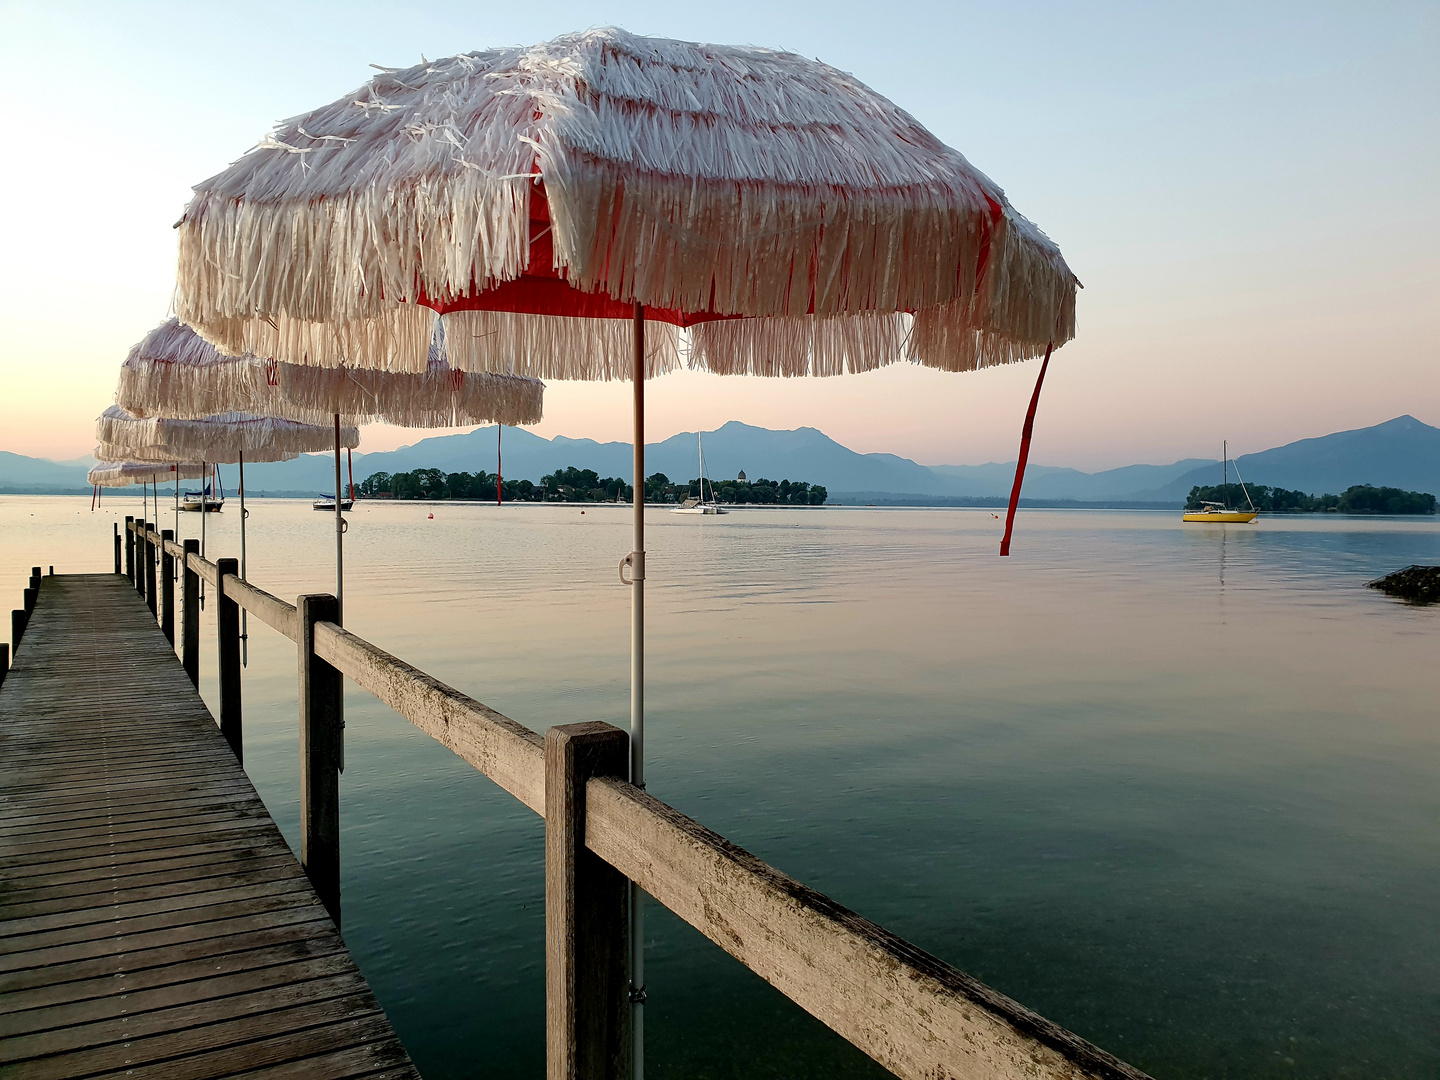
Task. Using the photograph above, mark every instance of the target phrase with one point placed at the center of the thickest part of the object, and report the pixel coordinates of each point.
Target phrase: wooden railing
(911, 1012)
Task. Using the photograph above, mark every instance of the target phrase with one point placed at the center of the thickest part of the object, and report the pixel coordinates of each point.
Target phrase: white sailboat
(700, 505)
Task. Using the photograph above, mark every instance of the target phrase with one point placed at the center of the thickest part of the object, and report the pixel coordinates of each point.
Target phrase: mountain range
(1403, 452)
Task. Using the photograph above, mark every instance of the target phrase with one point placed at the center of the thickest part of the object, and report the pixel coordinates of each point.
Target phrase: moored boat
(1219, 513)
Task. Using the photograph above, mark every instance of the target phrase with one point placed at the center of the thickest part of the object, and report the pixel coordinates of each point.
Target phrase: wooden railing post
(321, 695)
(139, 554)
(190, 624)
(167, 586)
(130, 547)
(4, 662)
(150, 597)
(227, 625)
(18, 618)
(587, 1006)
(118, 567)
(31, 595)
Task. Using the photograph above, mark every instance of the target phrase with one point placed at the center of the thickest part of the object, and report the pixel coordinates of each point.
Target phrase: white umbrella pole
(637, 699)
(176, 566)
(339, 529)
(244, 624)
(339, 574)
(204, 513)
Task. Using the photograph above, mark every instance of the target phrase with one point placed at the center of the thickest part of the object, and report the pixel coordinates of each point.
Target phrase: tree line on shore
(582, 485)
(1357, 499)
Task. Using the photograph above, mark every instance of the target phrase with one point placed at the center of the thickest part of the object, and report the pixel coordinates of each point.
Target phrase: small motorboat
(327, 502)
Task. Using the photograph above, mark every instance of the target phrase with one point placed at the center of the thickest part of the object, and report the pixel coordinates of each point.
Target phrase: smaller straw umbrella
(231, 436)
(173, 372)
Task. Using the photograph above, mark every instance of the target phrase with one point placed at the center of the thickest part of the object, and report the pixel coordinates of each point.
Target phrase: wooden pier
(153, 921)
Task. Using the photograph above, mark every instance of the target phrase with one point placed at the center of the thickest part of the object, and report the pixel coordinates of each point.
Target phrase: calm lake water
(1176, 788)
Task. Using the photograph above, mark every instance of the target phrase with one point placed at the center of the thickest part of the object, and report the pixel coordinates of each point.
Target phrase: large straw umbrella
(568, 209)
(175, 373)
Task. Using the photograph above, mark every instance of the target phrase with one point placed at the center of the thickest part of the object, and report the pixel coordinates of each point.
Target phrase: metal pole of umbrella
(339, 529)
(204, 512)
(244, 625)
(176, 569)
(339, 578)
(636, 561)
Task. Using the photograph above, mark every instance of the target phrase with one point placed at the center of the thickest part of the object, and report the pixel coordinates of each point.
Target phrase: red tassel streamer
(1025, 433)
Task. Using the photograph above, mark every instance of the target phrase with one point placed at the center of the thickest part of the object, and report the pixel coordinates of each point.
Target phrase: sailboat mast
(1224, 470)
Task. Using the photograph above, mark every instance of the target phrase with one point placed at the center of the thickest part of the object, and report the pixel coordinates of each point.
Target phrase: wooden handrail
(271, 610)
(910, 1011)
(508, 753)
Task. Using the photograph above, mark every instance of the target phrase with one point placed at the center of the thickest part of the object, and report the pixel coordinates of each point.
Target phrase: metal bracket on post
(190, 623)
(167, 586)
(636, 562)
(587, 1008)
(227, 625)
(321, 690)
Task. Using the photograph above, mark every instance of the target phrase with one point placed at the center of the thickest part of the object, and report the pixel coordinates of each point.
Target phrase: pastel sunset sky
(1247, 190)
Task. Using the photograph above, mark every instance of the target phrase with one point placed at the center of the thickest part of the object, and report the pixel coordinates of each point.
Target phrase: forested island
(1358, 499)
(583, 485)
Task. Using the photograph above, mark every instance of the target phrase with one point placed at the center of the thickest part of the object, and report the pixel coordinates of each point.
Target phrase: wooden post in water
(31, 595)
(190, 623)
(130, 547)
(321, 695)
(119, 568)
(150, 597)
(587, 1003)
(17, 629)
(227, 625)
(139, 556)
(167, 586)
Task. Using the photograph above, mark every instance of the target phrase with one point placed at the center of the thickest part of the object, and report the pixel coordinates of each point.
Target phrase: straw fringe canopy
(124, 473)
(796, 221)
(219, 438)
(173, 372)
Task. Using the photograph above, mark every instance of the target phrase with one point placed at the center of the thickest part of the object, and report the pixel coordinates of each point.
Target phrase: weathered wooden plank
(175, 884)
(16, 1004)
(232, 937)
(93, 1011)
(205, 1032)
(297, 1048)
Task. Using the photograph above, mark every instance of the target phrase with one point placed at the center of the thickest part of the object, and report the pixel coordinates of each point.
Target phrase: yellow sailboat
(1218, 513)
